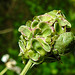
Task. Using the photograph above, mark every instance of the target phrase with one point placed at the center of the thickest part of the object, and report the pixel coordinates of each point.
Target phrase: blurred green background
(14, 13)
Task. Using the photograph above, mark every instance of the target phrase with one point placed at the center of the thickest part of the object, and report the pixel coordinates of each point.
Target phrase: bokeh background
(14, 13)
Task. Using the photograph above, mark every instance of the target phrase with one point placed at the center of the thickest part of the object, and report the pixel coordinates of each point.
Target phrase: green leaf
(64, 42)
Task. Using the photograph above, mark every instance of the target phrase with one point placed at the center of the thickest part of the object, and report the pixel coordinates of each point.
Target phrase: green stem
(26, 68)
(3, 71)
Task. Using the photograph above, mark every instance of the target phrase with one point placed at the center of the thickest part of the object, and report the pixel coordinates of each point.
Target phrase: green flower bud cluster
(47, 36)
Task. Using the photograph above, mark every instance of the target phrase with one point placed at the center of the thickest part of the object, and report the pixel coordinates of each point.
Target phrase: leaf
(64, 42)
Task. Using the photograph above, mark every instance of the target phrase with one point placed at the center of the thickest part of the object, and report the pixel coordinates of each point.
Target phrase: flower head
(46, 37)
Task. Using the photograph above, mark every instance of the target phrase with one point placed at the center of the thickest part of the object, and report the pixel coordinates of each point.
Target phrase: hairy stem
(3, 71)
(26, 68)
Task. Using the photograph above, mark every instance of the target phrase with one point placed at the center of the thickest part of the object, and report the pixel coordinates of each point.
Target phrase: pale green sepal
(25, 31)
(64, 22)
(46, 32)
(34, 24)
(37, 31)
(28, 23)
(45, 45)
(34, 56)
(45, 17)
(53, 15)
(29, 44)
(48, 39)
(38, 47)
(36, 18)
(23, 40)
(22, 46)
(43, 26)
(58, 28)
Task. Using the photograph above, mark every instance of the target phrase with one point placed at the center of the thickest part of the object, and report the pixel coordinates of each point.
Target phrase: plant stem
(3, 71)
(26, 68)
